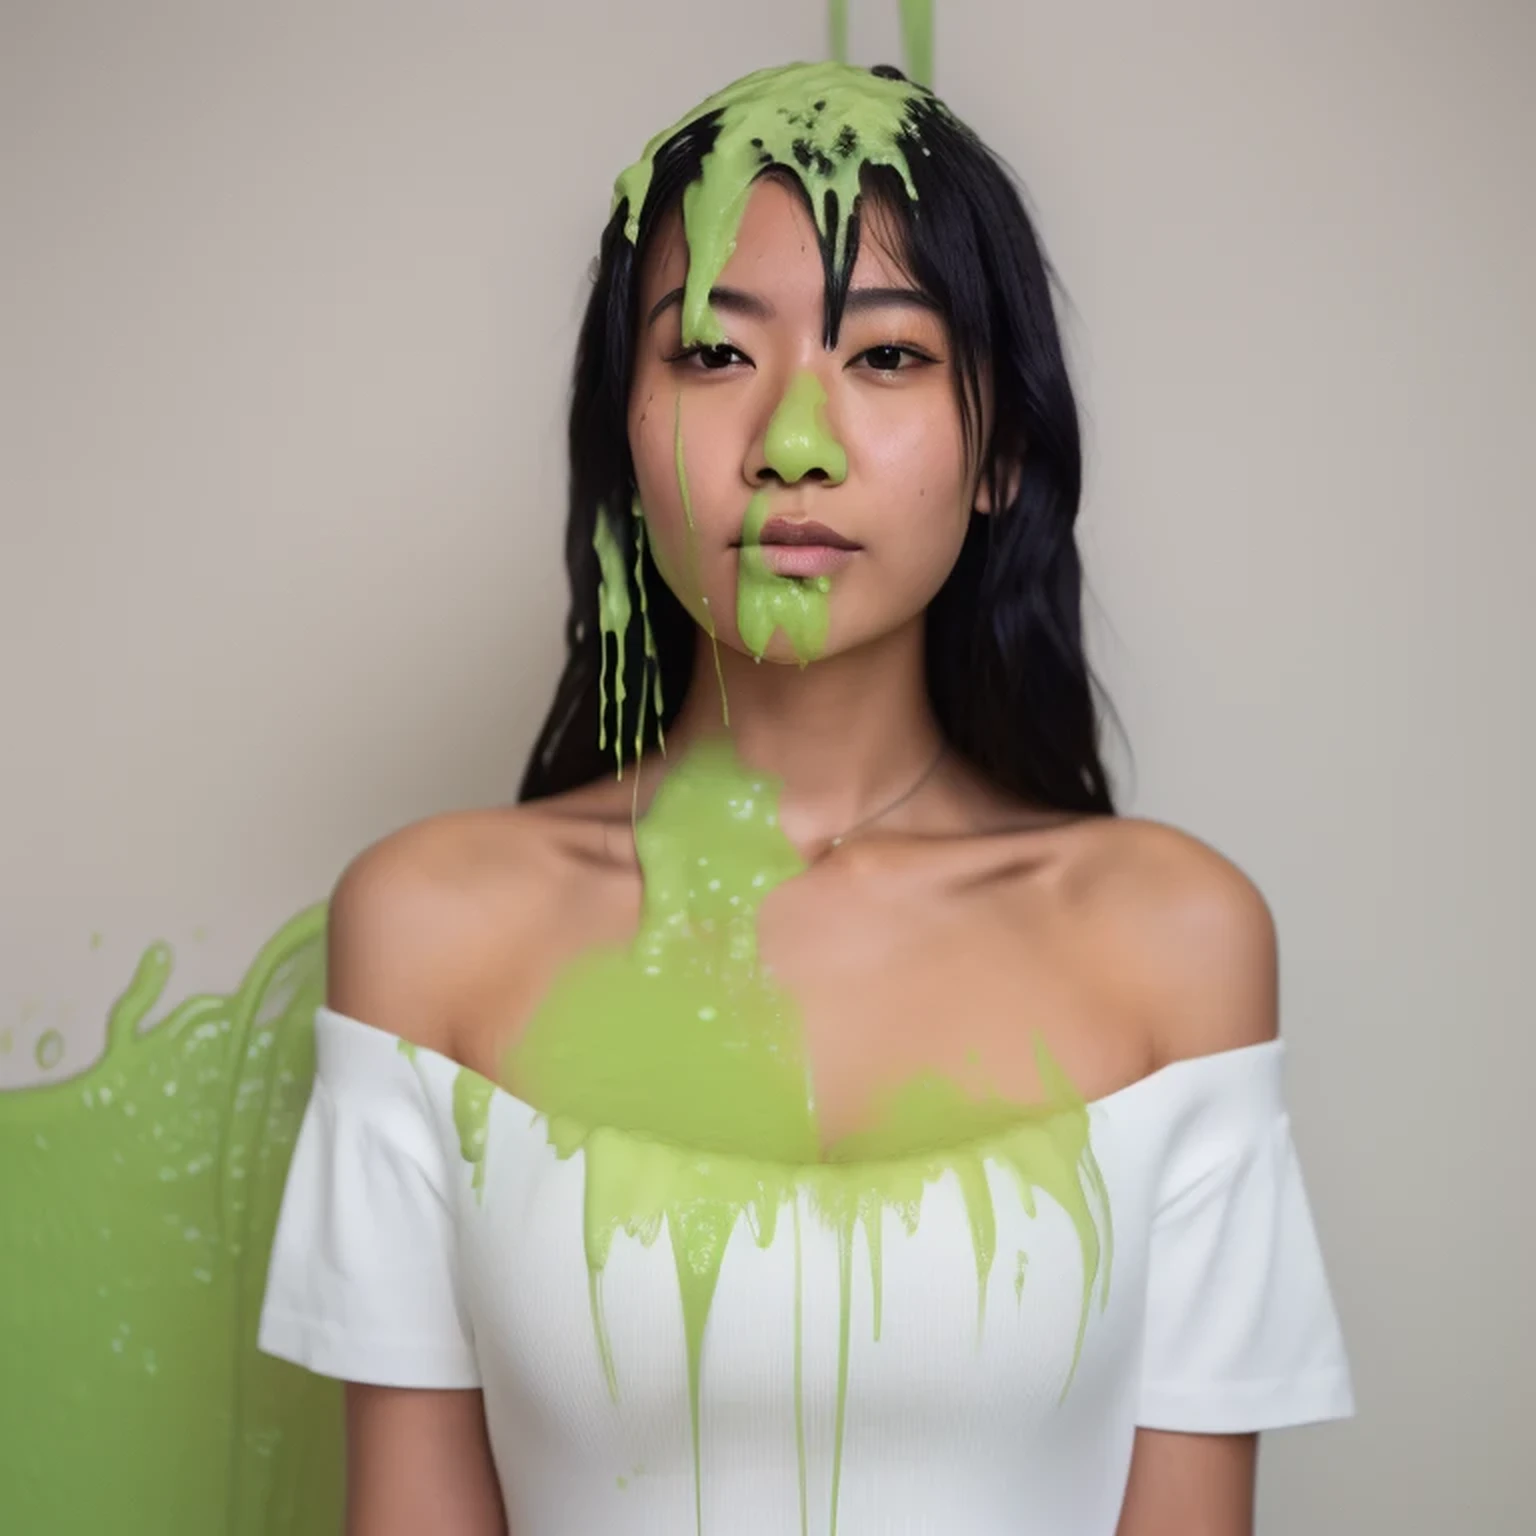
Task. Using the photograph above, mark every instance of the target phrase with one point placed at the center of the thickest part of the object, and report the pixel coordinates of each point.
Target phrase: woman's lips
(804, 549)
(804, 559)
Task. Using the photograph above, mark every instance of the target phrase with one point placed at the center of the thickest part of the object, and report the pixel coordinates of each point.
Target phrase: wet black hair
(1006, 669)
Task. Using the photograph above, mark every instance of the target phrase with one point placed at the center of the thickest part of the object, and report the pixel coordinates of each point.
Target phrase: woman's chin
(778, 652)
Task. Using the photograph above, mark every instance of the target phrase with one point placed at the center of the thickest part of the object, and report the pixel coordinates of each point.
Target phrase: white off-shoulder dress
(823, 1406)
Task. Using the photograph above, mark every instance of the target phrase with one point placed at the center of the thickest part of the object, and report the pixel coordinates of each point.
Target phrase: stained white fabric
(388, 1267)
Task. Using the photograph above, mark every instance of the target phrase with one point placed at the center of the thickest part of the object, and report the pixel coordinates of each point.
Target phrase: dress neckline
(1233, 1060)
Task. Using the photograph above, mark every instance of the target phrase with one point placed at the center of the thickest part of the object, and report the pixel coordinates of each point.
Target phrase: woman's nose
(798, 443)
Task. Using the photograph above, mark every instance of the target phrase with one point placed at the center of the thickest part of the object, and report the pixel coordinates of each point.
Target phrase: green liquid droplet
(49, 1050)
(472, 1120)
(612, 619)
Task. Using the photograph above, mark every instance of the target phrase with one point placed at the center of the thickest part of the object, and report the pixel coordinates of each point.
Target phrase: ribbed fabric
(387, 1268)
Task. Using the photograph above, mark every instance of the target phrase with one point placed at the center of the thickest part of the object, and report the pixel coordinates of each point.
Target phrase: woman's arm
(419, 1461)
(405, 950)
(1197, 946)
(1190, 1485)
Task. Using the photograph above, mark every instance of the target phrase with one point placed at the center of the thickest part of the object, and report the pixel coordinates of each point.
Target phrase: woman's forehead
(777, 246)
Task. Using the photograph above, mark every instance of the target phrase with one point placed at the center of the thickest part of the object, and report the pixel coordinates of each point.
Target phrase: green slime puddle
(137, 1221)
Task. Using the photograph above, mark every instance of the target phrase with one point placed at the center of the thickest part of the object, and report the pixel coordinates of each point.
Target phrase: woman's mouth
(803, 549)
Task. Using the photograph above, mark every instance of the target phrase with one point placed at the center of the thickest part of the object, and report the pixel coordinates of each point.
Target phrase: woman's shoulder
(423, 923)
(1188, 933)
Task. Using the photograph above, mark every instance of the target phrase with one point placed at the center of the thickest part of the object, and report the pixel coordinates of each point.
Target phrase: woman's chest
(823, 1008)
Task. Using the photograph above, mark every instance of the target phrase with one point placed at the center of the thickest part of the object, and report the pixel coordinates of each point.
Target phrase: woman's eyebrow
(733, 300)
(754, 307)
(883, 298)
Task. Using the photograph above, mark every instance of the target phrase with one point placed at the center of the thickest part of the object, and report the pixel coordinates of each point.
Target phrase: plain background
(287, 300)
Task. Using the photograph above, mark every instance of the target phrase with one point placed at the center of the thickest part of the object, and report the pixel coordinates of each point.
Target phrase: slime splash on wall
(137, 1221)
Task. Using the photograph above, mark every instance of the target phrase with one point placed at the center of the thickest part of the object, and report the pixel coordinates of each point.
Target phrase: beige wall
(287, 296)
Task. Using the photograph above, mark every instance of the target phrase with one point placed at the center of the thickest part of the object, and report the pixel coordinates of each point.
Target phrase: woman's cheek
(669, 551)
(672, 548)
(659, 502)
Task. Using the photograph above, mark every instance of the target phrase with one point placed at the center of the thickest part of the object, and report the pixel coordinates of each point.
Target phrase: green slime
(613, 614)
(797, 441)
(140, 1202)
(822, 123)
(917, 38)
(677, 1066)
(916, 35)
(766, 601)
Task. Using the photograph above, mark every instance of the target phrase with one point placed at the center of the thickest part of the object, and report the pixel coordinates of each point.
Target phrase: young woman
(812, 1107)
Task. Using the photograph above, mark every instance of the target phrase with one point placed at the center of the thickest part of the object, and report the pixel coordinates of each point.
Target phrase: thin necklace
(885, 810)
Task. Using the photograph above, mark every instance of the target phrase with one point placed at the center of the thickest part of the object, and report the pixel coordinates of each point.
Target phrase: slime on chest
(676, 1065)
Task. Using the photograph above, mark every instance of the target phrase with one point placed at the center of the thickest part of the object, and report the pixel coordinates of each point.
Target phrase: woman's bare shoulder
(423, 923)
(1188, 933)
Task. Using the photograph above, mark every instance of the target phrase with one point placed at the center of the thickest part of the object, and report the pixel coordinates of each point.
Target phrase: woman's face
(777, 432)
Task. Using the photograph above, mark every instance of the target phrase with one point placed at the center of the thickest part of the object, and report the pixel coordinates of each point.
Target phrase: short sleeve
(1241, 1328)
(363, 1281)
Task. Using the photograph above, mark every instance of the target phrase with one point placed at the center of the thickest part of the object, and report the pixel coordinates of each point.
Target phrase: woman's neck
(845, 736)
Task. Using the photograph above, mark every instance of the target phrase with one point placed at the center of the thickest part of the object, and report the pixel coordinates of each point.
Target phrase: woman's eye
(714, 357)
(892, 358)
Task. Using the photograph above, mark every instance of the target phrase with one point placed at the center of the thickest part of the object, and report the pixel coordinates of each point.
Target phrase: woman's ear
(998, 485)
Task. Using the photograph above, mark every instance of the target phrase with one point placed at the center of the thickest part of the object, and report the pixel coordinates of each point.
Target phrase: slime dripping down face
(741, 444)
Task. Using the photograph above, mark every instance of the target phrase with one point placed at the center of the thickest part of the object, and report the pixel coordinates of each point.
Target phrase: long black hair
(1007, 675)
